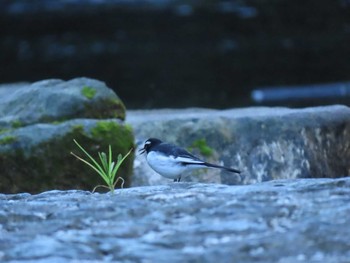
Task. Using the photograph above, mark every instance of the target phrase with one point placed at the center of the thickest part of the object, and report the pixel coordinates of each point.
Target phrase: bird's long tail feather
(232, 170)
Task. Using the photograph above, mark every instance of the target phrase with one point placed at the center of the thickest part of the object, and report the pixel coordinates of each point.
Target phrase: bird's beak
(141, 151)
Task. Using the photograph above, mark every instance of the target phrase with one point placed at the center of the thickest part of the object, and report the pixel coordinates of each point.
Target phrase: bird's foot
(177, 179)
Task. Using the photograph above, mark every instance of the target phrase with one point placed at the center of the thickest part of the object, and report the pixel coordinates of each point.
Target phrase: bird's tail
(232, 170)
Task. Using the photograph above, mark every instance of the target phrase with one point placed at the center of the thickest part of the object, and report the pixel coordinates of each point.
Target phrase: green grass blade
(111, 168)
(110, 156)
(103, 160)
(89, 164)
(120, 161)
(104, 163)
(116, 167)
(88, 155)
(95, 164)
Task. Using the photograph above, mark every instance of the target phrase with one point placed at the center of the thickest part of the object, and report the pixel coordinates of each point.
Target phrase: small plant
(107, 169)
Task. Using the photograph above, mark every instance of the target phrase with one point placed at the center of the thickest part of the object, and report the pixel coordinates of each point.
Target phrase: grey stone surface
(265, 143)
(286, 221)
(38, 123)
(57, 100)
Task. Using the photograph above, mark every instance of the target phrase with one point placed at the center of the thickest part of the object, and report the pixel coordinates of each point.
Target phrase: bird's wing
(180, 154)
(185, 157)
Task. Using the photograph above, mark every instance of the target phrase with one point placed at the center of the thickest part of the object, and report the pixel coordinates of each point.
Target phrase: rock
(301, 220)
(57, 100)
(265, 143)
(38, 123)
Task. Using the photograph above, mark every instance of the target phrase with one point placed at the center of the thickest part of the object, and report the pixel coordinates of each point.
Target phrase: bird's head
(149, 144)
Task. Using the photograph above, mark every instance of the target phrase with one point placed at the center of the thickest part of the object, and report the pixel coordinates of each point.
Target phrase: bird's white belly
(165, 166)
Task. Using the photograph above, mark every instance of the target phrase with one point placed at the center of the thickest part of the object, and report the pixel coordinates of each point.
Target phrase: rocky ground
(301, 220)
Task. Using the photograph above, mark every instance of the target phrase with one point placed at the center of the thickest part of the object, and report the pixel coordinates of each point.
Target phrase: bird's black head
(149, 144)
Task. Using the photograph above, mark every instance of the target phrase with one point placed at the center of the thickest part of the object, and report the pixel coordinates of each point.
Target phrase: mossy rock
(202, 146)
(55, 100)
(37, 158)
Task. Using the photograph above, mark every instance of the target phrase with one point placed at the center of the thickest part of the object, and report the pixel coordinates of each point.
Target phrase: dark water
(178, 53)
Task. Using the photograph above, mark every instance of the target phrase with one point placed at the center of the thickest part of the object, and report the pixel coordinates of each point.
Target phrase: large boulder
(57, 100)
(286, 221)
(265, 143)
(38, 123)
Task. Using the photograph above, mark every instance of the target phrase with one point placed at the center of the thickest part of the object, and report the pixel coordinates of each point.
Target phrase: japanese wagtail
(172, 161)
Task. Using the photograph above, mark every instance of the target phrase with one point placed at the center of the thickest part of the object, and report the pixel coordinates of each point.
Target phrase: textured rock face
(302, 220)
(265, 143)
(38, 123)
(57, 100)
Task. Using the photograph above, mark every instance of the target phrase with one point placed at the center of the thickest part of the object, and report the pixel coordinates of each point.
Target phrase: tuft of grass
(88, 92)
(107, 169)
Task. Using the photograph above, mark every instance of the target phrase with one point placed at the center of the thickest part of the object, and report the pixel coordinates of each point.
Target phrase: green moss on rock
(106, 108)
(88, 92)
(109, 130)
(4, 130)
(78, 129)
(7, 139)
(203, 147)
(16, 124)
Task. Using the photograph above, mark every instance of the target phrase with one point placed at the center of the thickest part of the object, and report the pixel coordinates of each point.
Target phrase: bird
(172, 161)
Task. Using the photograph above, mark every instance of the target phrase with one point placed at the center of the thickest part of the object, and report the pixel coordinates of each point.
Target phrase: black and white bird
(172, 161)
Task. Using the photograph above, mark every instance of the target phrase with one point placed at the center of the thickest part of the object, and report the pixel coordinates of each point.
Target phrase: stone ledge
(277, 221)
(265, 143)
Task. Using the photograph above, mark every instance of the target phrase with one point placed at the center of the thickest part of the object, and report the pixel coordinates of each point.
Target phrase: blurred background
(184, 53)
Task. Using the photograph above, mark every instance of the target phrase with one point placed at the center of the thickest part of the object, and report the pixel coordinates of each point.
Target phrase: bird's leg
(177, 179)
